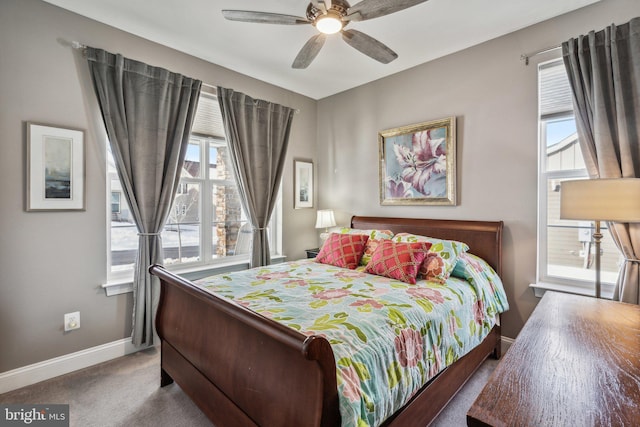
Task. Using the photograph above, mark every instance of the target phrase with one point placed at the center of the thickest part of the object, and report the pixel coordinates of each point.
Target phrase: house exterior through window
(206, 224)
(565, 247)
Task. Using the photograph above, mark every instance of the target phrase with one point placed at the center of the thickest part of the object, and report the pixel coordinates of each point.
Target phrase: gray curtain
(258, 135)
(148, 112)
(604, 72)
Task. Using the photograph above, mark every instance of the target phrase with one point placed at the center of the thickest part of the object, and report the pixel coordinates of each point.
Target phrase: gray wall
(494, 97)
(53, 263)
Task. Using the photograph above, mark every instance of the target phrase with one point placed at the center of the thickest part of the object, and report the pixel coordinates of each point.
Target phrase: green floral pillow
(374, 238)
(441, 258)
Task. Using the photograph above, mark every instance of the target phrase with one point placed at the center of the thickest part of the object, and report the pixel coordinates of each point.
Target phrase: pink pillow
(399, 261)
(374, 237)
(342, 250)
(442, 256)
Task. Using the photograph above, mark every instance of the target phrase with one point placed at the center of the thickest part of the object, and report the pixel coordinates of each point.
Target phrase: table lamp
(325, 219)
(614, 199)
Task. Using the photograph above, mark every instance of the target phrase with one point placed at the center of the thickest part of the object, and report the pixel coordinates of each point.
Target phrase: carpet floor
(126, 392)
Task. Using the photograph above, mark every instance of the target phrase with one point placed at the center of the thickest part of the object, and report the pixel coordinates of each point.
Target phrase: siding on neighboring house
(569, 246)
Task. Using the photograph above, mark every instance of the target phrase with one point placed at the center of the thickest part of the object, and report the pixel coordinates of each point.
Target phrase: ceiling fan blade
(263, 17)
(309, 51)
(327, 4)
(369, 46)
(369, 9)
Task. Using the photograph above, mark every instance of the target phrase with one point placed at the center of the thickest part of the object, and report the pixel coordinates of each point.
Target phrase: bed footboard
(241, 368)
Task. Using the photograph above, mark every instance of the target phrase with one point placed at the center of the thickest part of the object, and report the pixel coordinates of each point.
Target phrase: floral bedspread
(388, 337)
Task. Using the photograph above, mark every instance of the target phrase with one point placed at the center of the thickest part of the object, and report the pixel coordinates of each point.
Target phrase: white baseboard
(31, 374)
(506, 343)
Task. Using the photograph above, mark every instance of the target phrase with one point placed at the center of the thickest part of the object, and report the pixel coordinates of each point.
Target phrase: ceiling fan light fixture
(329, 23)
(329, 17)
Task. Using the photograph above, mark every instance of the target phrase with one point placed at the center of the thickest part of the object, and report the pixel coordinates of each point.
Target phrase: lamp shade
(616, 199)
(325, 219)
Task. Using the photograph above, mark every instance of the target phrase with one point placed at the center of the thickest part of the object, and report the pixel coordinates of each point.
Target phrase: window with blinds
(565, 249)
(206, 224)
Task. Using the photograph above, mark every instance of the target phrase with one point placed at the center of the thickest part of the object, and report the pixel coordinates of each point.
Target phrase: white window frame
(120, 281)
(543, 226)
(544, 280)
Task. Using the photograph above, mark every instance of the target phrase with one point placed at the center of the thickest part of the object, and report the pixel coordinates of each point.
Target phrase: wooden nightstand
(312, 253)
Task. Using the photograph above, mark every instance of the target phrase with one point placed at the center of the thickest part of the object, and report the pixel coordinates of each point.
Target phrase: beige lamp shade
(615, 200)
(325, 219)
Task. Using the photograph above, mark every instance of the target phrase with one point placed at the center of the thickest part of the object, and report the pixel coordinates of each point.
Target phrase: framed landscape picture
(303, 184)
(55, 168)
(418, 164)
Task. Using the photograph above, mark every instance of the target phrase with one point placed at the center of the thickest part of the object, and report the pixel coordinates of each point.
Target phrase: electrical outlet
(71, 321)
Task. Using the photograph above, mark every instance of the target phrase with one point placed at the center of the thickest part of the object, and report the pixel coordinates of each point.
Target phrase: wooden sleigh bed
(242, 369)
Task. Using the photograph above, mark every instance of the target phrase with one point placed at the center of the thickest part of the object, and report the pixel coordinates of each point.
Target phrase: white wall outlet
(71, 321)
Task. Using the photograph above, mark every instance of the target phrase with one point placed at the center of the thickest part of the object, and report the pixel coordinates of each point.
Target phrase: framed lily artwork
(418, 164)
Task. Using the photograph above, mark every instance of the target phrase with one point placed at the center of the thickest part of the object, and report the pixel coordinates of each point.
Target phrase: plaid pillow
(342, 250)
(398, 261)
(374, 237)
(442, 256)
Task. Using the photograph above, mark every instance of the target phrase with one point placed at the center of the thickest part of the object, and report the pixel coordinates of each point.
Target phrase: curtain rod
(214, 89)
(525, 56)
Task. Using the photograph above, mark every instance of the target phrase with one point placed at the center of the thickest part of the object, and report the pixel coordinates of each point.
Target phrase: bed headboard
(483, 237)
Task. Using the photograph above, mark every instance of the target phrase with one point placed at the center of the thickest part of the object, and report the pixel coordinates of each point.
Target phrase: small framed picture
(418, 164)
(303, 184)
(55, 168)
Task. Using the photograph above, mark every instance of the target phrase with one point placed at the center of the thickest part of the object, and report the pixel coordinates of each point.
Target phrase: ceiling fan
(329, 17)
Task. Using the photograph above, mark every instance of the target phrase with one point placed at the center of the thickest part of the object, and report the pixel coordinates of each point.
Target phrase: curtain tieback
(148, 234)
(259, 228)
(632, 260)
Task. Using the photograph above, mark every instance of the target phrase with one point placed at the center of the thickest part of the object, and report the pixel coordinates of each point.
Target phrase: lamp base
(597, 239)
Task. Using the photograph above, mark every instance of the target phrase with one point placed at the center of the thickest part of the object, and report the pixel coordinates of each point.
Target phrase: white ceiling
(418, 34)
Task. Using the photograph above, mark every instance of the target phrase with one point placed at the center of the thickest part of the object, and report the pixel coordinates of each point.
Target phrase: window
(206, 224)
(565, 248)
(115, 202)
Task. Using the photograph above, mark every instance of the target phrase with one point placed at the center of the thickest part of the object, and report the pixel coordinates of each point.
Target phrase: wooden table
(576, 362)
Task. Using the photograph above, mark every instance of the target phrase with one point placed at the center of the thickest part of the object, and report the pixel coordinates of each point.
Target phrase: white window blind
(208, 120)
(555, 91)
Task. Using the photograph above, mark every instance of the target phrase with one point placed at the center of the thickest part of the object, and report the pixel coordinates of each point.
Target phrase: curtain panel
(258, 135)
(604, 73)
(148, 113)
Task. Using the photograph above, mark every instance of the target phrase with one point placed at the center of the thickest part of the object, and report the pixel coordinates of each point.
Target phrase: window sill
(539, 288)
(125, 285)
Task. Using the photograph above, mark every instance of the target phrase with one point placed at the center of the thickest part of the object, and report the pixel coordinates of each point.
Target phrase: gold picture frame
(418, 164)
